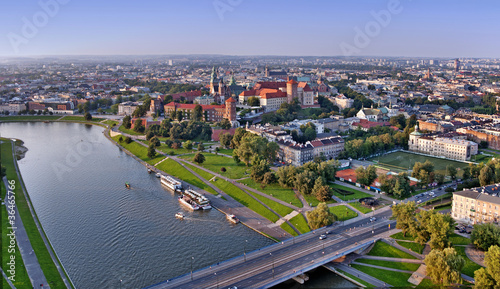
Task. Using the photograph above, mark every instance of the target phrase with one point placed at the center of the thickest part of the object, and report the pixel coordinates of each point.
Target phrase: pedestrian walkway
(391, 259)
(393, 243)
(7, 279)
(363, 276)
(383, 268)
(35, 273)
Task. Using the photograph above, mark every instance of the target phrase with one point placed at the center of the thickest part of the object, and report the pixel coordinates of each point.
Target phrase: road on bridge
(274, 264)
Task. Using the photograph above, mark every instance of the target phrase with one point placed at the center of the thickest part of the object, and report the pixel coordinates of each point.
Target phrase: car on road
(327, 232)
(322, 237)
(373, 219)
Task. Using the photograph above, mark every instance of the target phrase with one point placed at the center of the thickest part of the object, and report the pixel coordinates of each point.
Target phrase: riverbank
(103, 122)
(48, 261)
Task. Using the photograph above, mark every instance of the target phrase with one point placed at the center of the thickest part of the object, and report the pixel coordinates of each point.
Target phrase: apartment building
(478, 205)
(297, 154)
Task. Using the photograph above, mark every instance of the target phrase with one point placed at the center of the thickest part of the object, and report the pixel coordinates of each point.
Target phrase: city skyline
(458, 29)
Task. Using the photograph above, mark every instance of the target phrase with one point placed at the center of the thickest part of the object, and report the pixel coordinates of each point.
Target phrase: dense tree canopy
(320, 216)
(444, 266)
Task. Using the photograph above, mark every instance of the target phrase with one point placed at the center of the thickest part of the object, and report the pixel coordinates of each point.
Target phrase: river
(103, 232)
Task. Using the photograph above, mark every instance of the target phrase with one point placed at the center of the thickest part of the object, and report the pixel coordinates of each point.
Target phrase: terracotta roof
(251, 92)
(291, 81)
(230, 100)
(305, 86)
(192, 106)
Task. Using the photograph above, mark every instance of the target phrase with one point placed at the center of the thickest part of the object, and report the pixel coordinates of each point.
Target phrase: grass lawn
(228, 152)
(29, 117)
(343, 213)
(246, 200)
(360, 207)
(111, 122)
(128, 131)
(356, 194)
(395, 279)
(459, 240)
(139, 150)
(173, 168)
(469, 267)
(48, 267)
(415, 247)
(442, 208)
(300, 223)
(180, 151)
(388, 264)
(313, 202)
(385, 250)
(216, 162)
(427, 283)
(282, 210)
(275, 190)
(289, 229)
(355, 278)
(399, 236)
(80, 118)
(401, 161)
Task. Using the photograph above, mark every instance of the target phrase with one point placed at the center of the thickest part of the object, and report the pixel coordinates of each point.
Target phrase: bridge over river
(279, 262)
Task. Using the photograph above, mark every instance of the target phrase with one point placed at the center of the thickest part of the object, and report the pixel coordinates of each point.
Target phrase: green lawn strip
(343, 213)
(300, 223)
(139, 150)
(427, 283)
(128, 131)
(282, 210)
(275, 190)
(388, 264)
(313, 202)
(360, 207)
(469, 267)
(111, 122)
(21, 279)
(80, 118)
(385, 250)
(415, 247)
(289, 229)
(354, 196)
(245, 199)
(216, 162)
(400, 236)
(447, 207)
(29, 117)
(205, 175)
(355, 278)
(173, 168)
(228, 152)
(396, 279)
(48, 267)
(459, 240)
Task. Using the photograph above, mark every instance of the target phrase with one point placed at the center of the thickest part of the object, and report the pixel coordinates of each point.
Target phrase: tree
(309, 134)
(259, 169)
(484, 236)
(366, 176)
(489, 277)
(138, 127)
(126, 122)
(87, 116)
(439, 178)
(286, 176)
(451, 171)
(199, 158)
(201, 147)
(320, 217)
(151, 151)
(128, 140)
(225, 139)
(179, 115)
(120, 139)
(321, 191)
(404, 214)
(187, 145)
(224, 124)
(443, 267)
(198, 113)
(154, 141)
(304, 182)
(253, 101)
(486, 176)
(269, 178)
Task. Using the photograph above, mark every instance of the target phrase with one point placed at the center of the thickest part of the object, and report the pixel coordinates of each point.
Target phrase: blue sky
(437, 28)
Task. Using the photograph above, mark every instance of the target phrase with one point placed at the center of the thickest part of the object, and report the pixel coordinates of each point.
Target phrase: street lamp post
(192, 258)
(273, 262)
(121, 283)
(217, 277)
(245, 250)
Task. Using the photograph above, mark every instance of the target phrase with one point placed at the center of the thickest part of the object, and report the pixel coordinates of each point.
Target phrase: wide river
(103, 232)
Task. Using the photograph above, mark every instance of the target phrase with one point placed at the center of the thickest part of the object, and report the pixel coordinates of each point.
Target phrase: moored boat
(180, 215)
(149, 171)
(190, 204)
(171, 183)
(158, 175)
(127, 185)
(200, 199)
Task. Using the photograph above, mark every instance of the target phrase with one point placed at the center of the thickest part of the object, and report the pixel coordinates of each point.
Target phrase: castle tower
(266, 71)
(291, 90)
(213, 81)
(413, 140)
(230, 113)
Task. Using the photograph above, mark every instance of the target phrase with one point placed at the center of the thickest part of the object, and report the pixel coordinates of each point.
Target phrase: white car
(322, 237)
